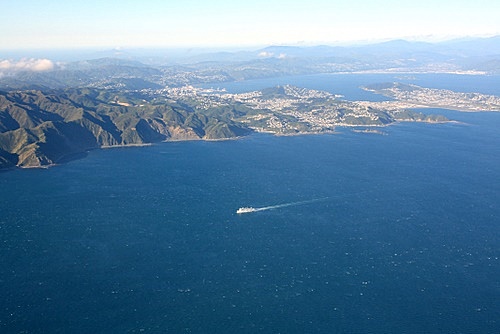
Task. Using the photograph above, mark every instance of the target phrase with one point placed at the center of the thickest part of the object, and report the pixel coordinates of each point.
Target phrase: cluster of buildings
(429, 97)
(284, 109)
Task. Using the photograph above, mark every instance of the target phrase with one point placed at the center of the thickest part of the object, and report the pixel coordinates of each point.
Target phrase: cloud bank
(26, 64)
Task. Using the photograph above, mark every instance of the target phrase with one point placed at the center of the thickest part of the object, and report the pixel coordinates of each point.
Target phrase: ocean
(367, 233)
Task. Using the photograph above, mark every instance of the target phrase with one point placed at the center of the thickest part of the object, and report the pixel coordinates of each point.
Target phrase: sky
(46, 24)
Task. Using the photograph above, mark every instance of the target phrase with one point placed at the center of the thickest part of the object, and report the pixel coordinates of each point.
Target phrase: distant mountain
(384, 51)
(124, 71)
(99, 73)
(472, 47)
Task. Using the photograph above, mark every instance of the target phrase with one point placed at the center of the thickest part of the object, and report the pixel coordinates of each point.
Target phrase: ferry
(245, 210)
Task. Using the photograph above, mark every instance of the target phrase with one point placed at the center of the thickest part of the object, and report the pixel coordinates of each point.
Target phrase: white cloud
(26, 64)
(265, 54)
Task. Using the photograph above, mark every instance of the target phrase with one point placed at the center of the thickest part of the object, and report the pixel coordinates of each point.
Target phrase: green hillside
(43, 128)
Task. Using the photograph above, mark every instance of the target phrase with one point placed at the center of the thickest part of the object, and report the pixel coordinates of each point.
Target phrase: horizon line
(337, 43)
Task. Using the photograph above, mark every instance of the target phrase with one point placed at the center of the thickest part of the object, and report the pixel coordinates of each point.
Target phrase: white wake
(271, 207)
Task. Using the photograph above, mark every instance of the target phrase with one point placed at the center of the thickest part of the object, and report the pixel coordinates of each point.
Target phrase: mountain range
(140, 69)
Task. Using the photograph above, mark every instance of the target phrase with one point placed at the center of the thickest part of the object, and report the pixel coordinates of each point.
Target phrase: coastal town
(288, 109)
(413, 96)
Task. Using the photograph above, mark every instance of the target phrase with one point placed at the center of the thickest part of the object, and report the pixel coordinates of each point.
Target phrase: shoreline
(372, 129)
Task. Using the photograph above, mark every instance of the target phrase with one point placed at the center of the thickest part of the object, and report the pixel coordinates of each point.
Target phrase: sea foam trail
(271, 207)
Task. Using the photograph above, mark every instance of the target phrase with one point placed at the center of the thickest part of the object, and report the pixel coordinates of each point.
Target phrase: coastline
(83, 154)
(368, 129)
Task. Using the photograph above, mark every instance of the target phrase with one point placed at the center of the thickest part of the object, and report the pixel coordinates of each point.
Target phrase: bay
(349, 85)
(400, 234)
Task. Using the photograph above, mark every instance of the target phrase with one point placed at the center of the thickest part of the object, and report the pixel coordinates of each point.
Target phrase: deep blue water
(405, 238)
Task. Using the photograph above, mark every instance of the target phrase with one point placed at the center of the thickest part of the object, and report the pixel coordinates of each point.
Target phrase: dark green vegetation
(39, 129)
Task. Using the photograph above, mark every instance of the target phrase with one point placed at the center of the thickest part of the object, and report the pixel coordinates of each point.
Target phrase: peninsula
(413, 96)
(42, 128)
